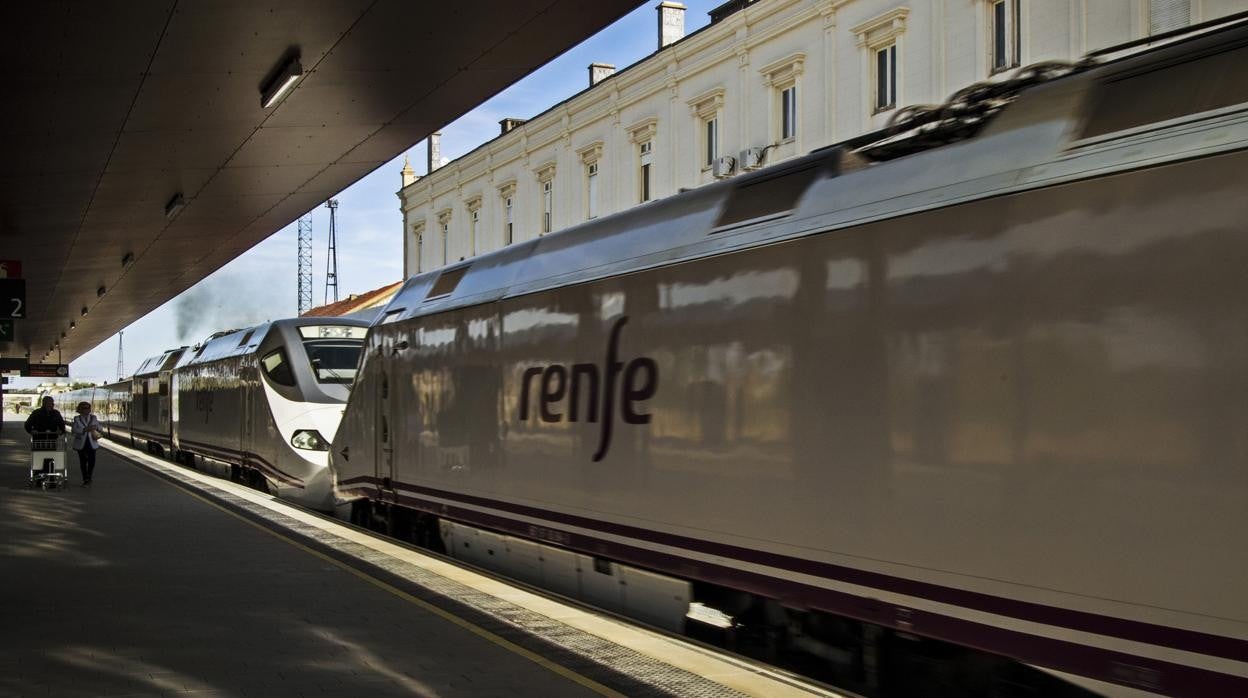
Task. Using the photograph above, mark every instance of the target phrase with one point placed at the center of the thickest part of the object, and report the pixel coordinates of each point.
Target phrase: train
(954, 408)
(259, 405)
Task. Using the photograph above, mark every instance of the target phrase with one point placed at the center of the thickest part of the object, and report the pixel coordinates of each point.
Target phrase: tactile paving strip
(620, 668)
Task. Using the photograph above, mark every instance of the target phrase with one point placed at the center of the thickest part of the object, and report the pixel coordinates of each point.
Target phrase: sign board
(18, 365)
(6, 329)
(10, 269)
(12, 297)
(48, 371)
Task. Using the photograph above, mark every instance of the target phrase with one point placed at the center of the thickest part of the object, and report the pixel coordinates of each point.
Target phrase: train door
(175, 397)
(246, 412)
(384, 428)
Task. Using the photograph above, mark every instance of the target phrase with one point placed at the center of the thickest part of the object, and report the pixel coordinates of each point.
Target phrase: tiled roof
(356, 302)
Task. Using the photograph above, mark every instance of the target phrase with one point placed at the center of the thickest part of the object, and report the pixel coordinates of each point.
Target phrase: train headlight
(309, 440)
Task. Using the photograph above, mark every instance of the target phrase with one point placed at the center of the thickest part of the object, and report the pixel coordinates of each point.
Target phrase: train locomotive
(258, 405)
(954, 408)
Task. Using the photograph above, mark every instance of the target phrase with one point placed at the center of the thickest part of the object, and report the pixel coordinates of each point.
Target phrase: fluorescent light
(280, 83)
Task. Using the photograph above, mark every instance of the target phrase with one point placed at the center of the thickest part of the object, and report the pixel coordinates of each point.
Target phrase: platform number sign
(13, 298)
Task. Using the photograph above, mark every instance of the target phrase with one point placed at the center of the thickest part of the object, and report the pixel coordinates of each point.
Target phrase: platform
(158, 580)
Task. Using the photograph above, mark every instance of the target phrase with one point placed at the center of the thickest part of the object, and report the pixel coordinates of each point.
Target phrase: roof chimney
(671, 23)
(599, 72)
(434, 153)
(407, 173)
(509, 124)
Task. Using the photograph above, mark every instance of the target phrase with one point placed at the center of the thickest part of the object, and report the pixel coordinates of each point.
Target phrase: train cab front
(307, 368)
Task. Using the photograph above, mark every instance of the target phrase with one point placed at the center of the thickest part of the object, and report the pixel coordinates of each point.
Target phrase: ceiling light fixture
(280, 82)
(84, 311)
(175, 205)
(127, 260)
(72, 325)
(99, 292)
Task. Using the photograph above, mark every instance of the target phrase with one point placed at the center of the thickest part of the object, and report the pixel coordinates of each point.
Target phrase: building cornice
(882, 28)
(545, 171)
(644, 130)
(708, 102)
(591, 152)
(784, 69)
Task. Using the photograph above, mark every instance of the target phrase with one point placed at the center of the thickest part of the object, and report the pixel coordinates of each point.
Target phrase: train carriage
(958, 406)
(151, 402)
(262, 404)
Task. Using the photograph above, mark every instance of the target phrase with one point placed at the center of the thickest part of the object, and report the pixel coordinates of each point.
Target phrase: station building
(766, 80)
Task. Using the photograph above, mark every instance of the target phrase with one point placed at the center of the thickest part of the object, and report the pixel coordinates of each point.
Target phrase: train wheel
(257, 481)
(361, 513)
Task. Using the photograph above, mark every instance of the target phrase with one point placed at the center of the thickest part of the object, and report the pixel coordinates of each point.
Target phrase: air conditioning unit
(751, 158)
(723, 167)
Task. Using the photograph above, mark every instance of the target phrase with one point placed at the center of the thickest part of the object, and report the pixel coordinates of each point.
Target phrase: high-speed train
(956, 408)
(259, 405)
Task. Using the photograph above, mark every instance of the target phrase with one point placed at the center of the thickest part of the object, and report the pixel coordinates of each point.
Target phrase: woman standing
(87, 432)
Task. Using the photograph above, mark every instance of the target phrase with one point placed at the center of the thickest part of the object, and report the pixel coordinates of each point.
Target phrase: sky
(260, 284)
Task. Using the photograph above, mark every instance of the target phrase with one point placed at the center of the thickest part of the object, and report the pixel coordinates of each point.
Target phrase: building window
(473, 204)
(1006, 34)
(646, 151)
(507, 191)
(446, 240)
(710, 140)
(590, 154)
(418, 233)
(886, 77)
(642, 133)
(591, 190)
(782, 77)
(1166, 15)
(444, 225)
(473, 219)
(548, 205)
(509, 225)
(881, 38)
(788, 113)
(546, 177)
(707, 108)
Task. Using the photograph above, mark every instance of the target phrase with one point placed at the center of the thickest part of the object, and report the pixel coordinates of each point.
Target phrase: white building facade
(774, 77)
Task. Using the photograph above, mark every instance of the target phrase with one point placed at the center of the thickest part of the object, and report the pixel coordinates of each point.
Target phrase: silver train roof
(1038, 137)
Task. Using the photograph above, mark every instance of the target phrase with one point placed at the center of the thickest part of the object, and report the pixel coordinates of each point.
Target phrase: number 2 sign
(13, 298)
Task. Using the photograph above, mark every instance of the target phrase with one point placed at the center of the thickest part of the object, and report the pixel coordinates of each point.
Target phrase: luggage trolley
(47, 460)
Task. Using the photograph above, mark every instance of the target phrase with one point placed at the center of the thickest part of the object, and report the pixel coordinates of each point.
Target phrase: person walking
(45, 419)
(87, 432)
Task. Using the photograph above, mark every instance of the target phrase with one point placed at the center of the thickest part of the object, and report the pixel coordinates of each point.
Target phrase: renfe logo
(641, 380)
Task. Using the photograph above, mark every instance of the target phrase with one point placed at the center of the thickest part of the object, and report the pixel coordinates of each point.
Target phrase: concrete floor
(134, 587)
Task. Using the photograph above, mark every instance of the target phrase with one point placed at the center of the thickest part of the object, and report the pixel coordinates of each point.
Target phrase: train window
(1194, 86)
(334, 360)
(392, 316)
(446, 283)
(277, 367)
(766, 197)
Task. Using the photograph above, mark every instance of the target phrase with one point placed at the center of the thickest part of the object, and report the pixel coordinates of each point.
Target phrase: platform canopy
(138, 158)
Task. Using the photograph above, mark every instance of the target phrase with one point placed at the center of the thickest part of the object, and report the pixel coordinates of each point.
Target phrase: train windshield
(333, 351)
